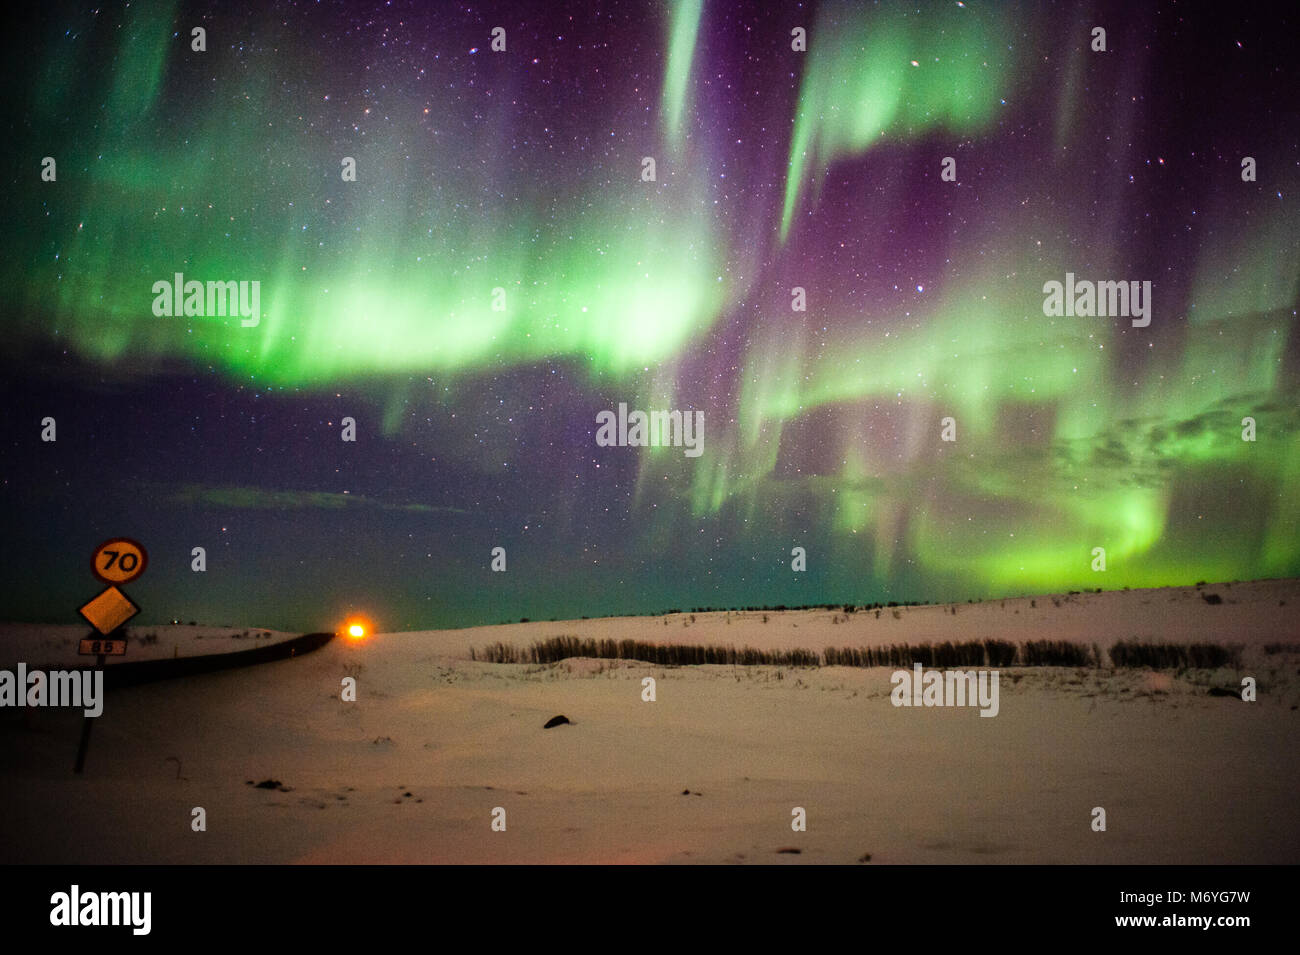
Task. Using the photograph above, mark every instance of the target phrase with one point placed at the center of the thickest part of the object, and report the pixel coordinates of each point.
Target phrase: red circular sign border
(144, 560)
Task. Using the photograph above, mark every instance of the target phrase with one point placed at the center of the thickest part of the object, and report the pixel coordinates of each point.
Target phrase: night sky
(522, 170)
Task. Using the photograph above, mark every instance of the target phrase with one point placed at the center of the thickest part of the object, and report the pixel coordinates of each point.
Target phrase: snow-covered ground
(1251, 614)
(413, 770)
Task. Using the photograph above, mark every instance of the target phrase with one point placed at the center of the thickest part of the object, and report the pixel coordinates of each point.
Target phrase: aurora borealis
(485, 177)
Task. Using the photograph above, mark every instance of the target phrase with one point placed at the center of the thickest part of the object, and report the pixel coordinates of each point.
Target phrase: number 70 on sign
(119, 560)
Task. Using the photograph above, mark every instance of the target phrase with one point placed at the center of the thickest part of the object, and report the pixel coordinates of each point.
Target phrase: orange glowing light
(356, 629)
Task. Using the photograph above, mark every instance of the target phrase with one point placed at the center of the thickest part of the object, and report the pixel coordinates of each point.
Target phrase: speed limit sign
(119, 560)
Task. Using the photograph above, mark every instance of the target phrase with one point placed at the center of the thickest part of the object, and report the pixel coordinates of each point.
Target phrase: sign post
(116, 561)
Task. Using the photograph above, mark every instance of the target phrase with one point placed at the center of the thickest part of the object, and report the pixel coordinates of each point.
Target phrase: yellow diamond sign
(109, 610)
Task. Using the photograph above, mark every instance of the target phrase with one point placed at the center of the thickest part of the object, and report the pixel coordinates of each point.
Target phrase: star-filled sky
(522, 170)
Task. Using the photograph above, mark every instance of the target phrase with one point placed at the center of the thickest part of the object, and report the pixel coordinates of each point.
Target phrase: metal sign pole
(86, 723)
